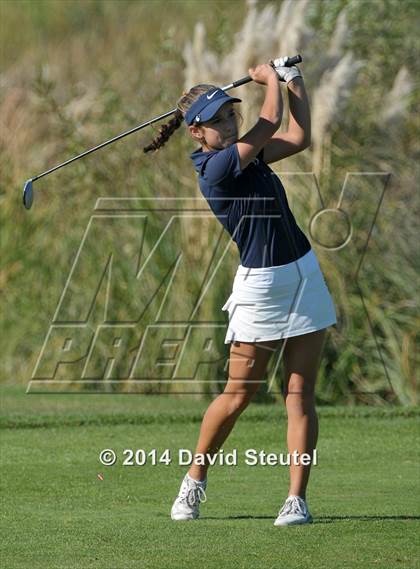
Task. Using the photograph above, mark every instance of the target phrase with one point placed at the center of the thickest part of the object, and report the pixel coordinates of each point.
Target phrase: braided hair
(183, 104)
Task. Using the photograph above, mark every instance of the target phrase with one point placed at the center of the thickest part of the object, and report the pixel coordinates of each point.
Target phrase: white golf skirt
(268, 303)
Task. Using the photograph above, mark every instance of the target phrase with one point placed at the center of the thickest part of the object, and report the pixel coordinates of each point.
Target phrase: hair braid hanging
(165, 131)
(184, 103)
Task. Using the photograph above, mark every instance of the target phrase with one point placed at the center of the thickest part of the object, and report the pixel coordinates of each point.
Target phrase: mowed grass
(57, 513)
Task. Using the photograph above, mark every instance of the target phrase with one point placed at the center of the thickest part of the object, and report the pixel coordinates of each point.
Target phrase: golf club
(28, 187)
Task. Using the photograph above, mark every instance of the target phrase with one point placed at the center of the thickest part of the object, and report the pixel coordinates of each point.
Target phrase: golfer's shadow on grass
(331, 519)
(318, 520)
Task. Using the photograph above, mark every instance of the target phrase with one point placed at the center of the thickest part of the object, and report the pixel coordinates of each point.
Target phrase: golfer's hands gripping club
(285, 73)
(263, 74)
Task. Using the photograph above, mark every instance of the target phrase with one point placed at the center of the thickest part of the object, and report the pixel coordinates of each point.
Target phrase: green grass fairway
(57, 513)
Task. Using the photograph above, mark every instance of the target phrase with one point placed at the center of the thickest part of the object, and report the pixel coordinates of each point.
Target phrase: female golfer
(279, 291)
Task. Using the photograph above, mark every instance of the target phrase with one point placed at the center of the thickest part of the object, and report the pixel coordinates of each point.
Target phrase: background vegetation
(76, 73)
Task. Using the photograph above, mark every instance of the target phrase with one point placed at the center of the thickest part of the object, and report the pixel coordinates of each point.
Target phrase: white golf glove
(285, 73)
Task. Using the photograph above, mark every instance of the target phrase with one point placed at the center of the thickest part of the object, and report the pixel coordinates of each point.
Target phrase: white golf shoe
(187, 503)
(294, 512)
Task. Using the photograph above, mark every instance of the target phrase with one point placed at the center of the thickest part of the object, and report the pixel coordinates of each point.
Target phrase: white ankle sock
(198, 481)
(296, 496)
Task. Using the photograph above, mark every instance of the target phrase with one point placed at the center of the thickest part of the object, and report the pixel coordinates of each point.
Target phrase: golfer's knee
(238, 401)
(300, 388)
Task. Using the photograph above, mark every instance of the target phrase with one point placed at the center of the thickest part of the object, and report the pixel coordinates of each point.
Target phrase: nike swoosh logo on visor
(212, 95)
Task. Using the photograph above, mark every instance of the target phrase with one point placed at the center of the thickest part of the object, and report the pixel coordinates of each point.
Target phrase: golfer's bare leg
(247, 367)
(301, 358)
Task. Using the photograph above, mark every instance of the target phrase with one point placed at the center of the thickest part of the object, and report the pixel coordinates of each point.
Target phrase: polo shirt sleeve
(223, 165)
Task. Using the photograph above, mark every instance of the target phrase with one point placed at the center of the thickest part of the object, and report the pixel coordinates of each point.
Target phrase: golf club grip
(291, 61)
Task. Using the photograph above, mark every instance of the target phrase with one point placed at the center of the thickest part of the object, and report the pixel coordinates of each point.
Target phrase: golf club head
(28, 196)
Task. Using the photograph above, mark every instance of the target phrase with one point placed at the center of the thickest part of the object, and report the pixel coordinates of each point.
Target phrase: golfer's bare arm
(270, 116)
(298, 135)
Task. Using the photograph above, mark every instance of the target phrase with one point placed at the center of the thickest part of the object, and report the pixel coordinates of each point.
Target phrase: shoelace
(195, 494)
(293, 505)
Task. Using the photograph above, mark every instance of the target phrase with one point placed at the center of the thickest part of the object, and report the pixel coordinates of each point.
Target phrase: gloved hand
(285, 73)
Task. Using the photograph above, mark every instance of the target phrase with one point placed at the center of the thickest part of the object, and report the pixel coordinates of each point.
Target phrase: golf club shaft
(291, 61)
(160, 117)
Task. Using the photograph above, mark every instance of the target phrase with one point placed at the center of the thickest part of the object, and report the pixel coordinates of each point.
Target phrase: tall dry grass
(334, 74)
(82, 73)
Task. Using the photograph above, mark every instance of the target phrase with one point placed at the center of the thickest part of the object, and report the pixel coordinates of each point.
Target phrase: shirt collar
(199, 158)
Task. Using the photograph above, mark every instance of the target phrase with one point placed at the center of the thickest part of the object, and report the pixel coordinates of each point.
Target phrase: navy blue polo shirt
(252, 206)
